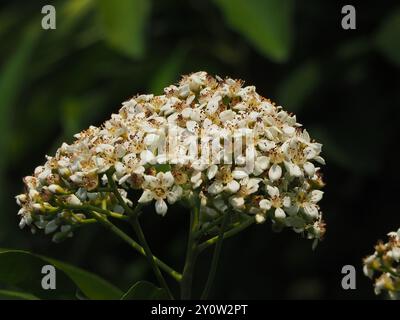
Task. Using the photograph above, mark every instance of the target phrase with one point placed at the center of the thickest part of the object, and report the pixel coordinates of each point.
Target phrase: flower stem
(191, 255)
(209, 227)
(215, 259)
(133, 219)
(107, 224)
(89, 208)
(129, 211)
(150, 258)
(238, 227)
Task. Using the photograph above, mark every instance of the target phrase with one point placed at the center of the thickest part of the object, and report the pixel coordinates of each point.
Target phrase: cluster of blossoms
(384, 266)
(207, 138)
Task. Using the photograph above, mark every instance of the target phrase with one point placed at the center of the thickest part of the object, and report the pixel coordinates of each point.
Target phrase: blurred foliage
(20, 269)
(144, 290)
(121, 30)
(342, 84)
(266, 24)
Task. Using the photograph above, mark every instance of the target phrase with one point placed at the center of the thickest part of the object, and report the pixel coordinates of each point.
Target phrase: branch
(237, 227)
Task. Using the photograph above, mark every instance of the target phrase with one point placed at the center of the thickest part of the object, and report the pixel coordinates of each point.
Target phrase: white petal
(124, 179)
(151, 181)
(147, 156)
(265, 204)
(279, 213)
(252, 185)
(236, 202)
(150, 139)
(233, 186)
(174, 194)
(239, 174)
(212, 171)
(319, 159)
(309, 153)
(260, 218)
(266, 145)
(146, 196)
(311, 210)
(55, 188)
(262, 162)
(395, 254)
(273, 191)
(309, 168)
(184, 91)
(191, 125)
(288, 130)
(293, 169)
(286, 202)
(275, 172)
(227, 115)
(196, 177)
(161, 207)
(186, 113)
(216, 187)
(167, 179)
(316, 196)
(120, 169)
(73, 200)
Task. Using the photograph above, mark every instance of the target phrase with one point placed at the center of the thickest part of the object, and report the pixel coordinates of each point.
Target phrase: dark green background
(342, 84)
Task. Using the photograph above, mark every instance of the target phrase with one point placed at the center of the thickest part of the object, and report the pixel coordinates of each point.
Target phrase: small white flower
(260, 218)
(73, 200)
(160, 188)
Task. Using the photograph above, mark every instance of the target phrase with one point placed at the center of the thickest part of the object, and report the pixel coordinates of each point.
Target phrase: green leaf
(22, 269)
(387, 39)
(144, 290)
(267, 24)
(298, 86)
(169, 71)
(16, 295)
(12, 77)
(162, 167)
(123, 23)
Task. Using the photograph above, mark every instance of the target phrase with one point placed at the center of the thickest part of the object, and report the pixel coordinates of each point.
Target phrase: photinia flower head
(384, 266)
(206, 138)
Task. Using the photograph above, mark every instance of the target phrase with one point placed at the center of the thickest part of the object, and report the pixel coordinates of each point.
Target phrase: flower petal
(273, 191)
(146, 196)
(279, 213)
(309, 168)
(310, 210)
(233, 186)
(216, 187)
(275, 172)
(239, 174)
(212, 171)
(265, 204)
(161, 207)
(167, 179)
(316, 196)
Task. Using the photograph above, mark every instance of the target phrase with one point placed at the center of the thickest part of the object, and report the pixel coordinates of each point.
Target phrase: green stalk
(133, 218)
(209, 227)
(89, 208)
(191, 255)
(238, 227)
(215, 259)
(107, 224)
(149, 255)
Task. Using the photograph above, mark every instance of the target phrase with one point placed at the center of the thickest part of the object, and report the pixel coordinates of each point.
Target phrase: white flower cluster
(262, 163)
(384, 266)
